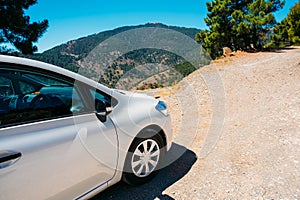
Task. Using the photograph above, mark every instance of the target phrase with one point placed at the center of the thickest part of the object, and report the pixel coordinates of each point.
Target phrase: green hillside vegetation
(70, 54)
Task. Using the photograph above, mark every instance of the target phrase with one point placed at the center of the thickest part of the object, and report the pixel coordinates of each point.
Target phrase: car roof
(53, 68)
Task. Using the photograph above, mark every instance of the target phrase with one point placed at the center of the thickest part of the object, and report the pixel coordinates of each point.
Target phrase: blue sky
(77, 18)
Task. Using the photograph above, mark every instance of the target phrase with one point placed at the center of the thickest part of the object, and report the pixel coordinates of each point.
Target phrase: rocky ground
(236, 132)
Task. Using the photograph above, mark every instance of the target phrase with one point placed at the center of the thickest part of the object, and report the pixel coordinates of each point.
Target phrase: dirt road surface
(236, 127)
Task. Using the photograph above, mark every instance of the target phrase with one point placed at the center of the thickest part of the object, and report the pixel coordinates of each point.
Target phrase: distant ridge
(68, 55)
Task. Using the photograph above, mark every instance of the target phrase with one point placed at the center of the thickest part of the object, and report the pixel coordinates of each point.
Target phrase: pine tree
(238, 24)
(288, 30)
(15, 26)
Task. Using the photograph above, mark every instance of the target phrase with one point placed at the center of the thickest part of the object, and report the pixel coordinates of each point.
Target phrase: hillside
(70, 55)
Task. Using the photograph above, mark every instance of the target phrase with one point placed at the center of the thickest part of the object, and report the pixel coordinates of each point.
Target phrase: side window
(28, 97)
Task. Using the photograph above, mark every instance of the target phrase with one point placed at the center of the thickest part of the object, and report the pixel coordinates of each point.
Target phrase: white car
(64, 136)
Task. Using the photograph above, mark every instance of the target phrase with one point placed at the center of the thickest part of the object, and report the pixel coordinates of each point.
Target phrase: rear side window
(29, 96)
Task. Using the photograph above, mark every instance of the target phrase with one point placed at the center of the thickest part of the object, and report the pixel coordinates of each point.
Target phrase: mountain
(138, 62)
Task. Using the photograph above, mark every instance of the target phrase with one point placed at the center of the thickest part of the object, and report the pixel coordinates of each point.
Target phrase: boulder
(227, 52)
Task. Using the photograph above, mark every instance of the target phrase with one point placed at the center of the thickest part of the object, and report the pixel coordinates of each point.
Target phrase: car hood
(133, 94)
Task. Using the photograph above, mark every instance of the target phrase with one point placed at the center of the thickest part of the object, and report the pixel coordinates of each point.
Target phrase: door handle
(8, 158)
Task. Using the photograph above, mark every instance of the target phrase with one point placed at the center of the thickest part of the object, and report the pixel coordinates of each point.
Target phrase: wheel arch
(147, 132)
(150, 131)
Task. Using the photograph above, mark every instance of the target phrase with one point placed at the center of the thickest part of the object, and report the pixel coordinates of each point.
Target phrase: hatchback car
(64, 136)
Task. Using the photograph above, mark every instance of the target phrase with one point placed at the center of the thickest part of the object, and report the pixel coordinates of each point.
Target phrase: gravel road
(237, 130)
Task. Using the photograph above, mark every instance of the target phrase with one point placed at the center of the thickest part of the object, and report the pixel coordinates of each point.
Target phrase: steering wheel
(40, 101)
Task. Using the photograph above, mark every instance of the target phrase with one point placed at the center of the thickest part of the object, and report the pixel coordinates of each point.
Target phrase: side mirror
(102, 110)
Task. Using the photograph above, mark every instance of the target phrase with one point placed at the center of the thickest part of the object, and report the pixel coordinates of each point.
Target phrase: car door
(52, 145)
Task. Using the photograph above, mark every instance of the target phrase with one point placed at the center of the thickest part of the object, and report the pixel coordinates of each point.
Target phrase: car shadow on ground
(182, 160)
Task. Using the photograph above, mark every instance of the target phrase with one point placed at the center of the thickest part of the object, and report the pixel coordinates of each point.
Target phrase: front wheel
(143, 160)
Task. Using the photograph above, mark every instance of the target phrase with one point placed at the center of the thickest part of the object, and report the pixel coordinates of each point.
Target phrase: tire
(140, 165)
